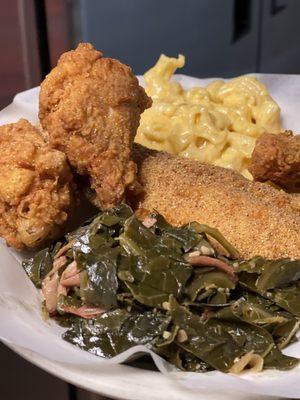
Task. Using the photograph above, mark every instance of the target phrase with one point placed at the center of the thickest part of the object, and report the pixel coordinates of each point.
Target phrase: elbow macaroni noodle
(218, 124)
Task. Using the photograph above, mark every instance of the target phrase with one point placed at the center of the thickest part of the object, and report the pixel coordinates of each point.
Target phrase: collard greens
(138, 285)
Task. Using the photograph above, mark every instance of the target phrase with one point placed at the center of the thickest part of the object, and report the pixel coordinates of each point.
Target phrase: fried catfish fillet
(90, 106)
(256, 218)
(36, 187)
(276, 158)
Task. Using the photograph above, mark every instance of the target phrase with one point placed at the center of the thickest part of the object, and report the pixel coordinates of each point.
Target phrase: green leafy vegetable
(219, 341)
(98, 281)
(150, 293)
(155, 270)
(38, 266)
(215, 234)
(117, 331)
(206, 283)
(277, 281)
(276, 360)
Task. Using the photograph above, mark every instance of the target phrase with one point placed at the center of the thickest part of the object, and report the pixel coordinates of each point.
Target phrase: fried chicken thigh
(36, 187)
(256, 218)
(276, 158)
(90, 106)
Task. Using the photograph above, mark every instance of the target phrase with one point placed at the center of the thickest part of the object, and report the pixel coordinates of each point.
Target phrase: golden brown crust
(36, 187)
(256, 218)
(91, 108)
(276, 158)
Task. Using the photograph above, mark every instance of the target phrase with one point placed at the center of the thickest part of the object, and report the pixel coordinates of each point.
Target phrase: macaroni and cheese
(218, 124)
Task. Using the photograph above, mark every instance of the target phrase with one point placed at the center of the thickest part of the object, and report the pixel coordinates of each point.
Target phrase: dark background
(218, 37)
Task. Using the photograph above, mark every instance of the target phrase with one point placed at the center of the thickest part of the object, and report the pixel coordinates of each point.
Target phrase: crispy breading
(36, 187)
(276, 158)
(90, 107)
(256, 218)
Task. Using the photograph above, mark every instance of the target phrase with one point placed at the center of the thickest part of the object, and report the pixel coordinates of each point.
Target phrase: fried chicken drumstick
(36, 187)
(90, 106)
(256, 218)
(276, 158)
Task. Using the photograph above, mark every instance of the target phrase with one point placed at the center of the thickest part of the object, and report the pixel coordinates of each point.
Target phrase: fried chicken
(90, 107)
(36, 187)
(256, 218)
(276, 158)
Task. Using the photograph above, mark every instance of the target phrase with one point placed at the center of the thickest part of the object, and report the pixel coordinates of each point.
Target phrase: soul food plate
(24, 329)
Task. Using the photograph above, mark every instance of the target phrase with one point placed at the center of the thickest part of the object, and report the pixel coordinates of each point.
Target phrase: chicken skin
(276, 158)
(256, 218)
(90, 106)
(36, 187)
